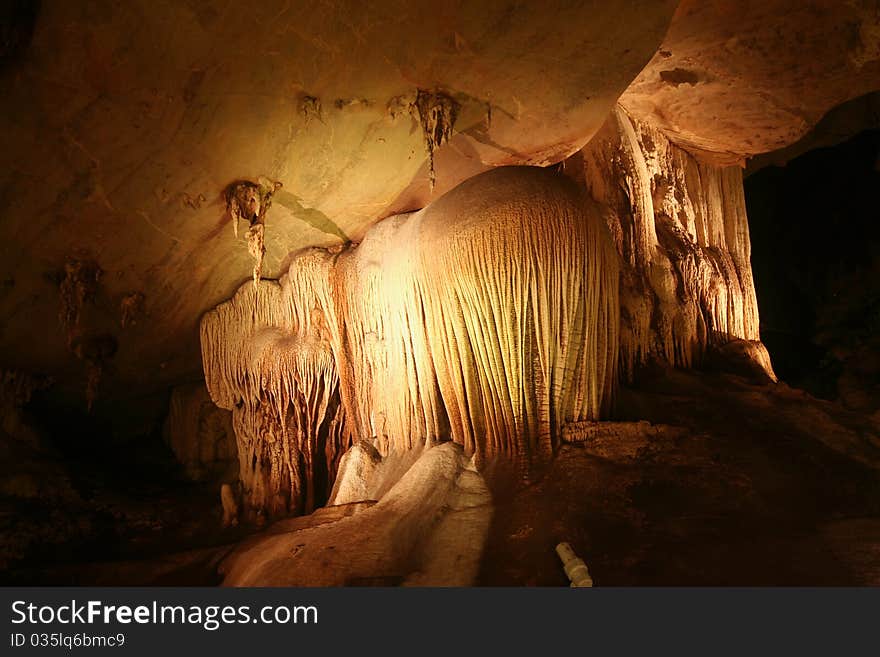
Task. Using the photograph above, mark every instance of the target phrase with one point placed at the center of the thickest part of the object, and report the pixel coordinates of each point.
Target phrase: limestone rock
(357, 471)
(681, 230)
(748, 358)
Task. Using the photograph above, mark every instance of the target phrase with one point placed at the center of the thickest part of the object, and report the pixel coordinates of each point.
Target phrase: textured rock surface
(358, 469)
(729, 483)
(840, 124)
(427, 530)
(734, 78)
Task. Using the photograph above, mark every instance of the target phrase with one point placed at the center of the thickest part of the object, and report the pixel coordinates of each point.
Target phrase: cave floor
(703, 479)
(731, 484)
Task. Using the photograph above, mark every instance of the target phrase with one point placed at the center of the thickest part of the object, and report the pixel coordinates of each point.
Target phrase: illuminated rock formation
(680, 227)
(490, 317)
(121, 149)
(117, 152)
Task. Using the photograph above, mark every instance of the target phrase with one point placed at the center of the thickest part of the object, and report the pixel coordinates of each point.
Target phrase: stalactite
(268, 358)
(437, 114)
(96, 352)
(490, 317)
(250, 201)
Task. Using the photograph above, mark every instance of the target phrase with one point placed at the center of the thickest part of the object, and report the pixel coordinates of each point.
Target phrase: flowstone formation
(490, 318)
(495, 317)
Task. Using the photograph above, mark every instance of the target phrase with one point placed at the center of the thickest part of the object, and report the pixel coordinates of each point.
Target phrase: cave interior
(411, 293)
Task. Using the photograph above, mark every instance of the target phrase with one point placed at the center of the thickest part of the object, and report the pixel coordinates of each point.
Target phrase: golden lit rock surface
(124, 124)
(681, 230)
(738, 77)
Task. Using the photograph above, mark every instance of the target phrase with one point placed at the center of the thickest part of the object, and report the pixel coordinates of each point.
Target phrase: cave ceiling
(124, 123)
(735, 78)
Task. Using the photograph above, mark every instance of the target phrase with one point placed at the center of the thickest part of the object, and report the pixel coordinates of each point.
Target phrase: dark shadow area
(86, 500)
(17, 21)
(815, 231)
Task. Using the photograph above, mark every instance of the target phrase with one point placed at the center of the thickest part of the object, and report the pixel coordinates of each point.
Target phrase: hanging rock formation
(734, 78)
(490, 317)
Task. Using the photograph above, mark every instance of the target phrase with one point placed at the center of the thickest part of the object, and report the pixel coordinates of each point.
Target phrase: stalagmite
(490, 317)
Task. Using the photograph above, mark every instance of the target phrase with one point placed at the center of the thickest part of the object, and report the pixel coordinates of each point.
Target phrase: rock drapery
(490, 317)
